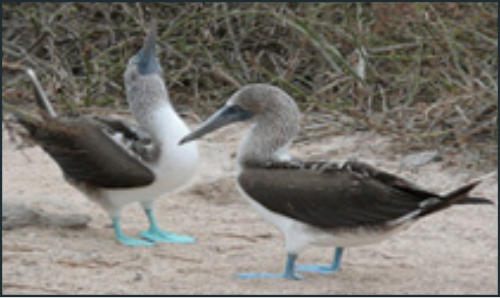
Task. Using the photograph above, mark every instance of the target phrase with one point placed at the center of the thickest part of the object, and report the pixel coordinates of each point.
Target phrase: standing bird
(317, 203)
(115, 163)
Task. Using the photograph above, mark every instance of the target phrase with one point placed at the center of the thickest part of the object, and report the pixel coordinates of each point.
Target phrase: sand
(452, 252)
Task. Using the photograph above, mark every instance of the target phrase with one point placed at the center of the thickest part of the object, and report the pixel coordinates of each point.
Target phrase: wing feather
(331, 196)
(85, 153)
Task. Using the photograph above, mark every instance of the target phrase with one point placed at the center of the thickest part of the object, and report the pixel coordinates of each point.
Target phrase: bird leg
(154, 233)
(130, 241)
(288, 274)
(325, 269)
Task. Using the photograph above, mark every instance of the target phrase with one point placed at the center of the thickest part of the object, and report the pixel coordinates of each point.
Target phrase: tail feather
(457, 196)
(41, 97)
(461, 192)
(474, 201)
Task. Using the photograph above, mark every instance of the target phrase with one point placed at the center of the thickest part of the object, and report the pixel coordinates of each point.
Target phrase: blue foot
(130, 241)
(288, 274)
(158, 235)
(320, 269)
(291, 276)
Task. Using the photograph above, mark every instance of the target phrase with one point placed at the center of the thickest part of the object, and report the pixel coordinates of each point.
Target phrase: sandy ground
(453, 252)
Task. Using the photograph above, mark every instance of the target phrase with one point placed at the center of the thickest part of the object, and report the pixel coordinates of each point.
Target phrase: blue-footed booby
(316, 203)
(115, 163)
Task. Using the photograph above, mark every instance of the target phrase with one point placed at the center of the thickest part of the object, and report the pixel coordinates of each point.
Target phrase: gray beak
(147, 55)
(224, 116)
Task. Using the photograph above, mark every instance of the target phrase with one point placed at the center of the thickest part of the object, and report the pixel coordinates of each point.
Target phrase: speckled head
(274, 112)
(264, 101)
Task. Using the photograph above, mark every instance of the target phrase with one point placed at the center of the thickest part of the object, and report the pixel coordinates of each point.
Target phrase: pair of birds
(321, 203)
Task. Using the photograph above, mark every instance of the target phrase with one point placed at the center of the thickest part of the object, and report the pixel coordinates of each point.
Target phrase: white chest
(177, 163)
(175, 166)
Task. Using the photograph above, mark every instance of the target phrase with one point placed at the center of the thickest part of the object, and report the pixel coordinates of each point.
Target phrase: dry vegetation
(424, 73)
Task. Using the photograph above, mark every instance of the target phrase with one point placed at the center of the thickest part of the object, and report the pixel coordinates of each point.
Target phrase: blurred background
(424, 73)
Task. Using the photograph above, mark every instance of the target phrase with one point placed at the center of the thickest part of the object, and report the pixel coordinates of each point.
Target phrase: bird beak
(224, 116)
(147, 55)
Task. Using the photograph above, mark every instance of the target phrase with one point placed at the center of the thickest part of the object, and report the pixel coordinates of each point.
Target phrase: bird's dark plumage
(330, 196)
(71, 143)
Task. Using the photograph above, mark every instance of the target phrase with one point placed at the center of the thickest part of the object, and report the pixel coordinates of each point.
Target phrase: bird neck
(150, 105)
(268, 140)
(162, 123)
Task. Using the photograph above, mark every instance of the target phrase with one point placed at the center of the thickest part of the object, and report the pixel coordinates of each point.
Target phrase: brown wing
(129, 130)
(131, 138)
(386, 178)
(332, 197)
(86, 154)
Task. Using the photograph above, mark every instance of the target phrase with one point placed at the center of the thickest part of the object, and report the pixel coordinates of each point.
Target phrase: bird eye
(235, 109)
(239, 112)
(232, 109)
